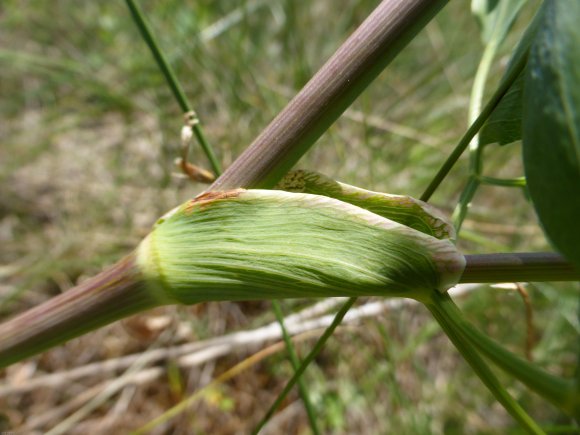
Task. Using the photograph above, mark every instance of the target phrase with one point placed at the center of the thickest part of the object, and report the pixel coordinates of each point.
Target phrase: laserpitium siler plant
(265, 231)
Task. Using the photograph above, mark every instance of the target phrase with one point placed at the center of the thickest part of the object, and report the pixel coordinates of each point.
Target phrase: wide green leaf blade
(551, 125)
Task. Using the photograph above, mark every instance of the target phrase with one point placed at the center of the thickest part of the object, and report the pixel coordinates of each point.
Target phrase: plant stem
(175, 86)
(309, 358)
(561, 392)
(465, 200)
(481, 368)
(146, 33)
(171, 79)
(295, 365)
(475, 150)
(115, 293)
(329, 93)
(504, 182)
(344, 76)
(520, 267)
(475, 127)
(119, 291)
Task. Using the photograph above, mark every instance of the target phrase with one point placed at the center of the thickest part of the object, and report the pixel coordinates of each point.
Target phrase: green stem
(295, 365)
(475, 151)
(578, 359)
(464, 201)
(503, 182)
(309, 358)
(476, 99)
(475, 127)
(164, 66)
(171, 79)
(179, 95)
(561, 392)
(480, 367)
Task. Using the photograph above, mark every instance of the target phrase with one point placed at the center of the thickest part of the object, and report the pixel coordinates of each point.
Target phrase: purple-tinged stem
(113, 294)
(120, 291)
(518, 267)
(356, 63)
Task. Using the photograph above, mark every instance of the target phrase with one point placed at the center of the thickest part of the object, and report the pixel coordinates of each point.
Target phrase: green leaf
(551, 125)
(495, 17)
(504, 126)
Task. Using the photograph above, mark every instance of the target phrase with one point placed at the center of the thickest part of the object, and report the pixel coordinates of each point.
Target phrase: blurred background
(88, 136)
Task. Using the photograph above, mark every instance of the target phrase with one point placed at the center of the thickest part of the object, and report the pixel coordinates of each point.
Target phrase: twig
(192, 354)
(236, 339)
(530, 335)
(108, 391)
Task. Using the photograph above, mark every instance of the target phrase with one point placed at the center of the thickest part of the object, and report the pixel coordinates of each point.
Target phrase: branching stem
(561, 392)
(467, 350)
(474, 128)
(120, 291)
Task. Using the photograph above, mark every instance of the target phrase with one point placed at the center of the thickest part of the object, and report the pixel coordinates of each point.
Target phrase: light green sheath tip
(266, 244)
(405, 210)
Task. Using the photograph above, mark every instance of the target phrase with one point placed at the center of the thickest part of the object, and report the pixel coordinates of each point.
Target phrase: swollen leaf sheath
(264, 244)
